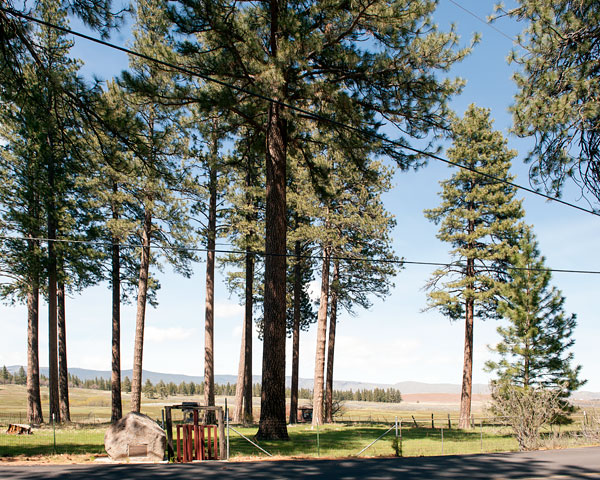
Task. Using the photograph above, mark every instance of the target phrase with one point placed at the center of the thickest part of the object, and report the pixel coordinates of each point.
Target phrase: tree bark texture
(53, 394)
(209, 319)
(140, 318)
(296, 337)
(331, 342)
(248, 328)
(467, 378)
(272, 423)
(115, 378)
(34, 399)
(238, 410)
(321, 340)
(63, 370)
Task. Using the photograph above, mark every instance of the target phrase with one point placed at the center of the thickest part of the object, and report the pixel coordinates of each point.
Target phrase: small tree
(525, 409)
(5, 375)
(126, 385)
(20, 378)
(535, 344)
(149, 390)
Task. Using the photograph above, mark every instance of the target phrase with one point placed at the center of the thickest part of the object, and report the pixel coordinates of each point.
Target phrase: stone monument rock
(135, 437)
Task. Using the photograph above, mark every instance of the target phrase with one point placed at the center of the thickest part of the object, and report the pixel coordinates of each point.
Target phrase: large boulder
(135, 437)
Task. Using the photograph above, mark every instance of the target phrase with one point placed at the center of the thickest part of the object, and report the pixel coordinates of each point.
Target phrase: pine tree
(5, 375)
(20, 377)
(479, 217)
(556, 103)
(300, 311)
(50, 104)
(126, 385)
(116, 197)
(163, 215)
(359, 227)
(245, 195)
(20, 190)
(535, 344)
(149, 390)
(311, 54)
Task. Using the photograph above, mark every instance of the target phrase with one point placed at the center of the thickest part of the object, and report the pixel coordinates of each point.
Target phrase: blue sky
(393, 341)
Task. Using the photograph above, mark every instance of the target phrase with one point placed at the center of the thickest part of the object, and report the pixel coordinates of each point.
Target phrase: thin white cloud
(356, 352)
(159, 335)
(228, 310)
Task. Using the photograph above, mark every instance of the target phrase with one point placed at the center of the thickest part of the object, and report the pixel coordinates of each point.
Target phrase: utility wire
(287, 255)
(304, 112)
(482, 20)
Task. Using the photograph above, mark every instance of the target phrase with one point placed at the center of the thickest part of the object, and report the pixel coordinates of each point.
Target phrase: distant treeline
(164, 390)
(387, 395)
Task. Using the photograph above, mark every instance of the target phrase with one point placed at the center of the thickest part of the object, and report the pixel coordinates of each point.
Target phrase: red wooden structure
(196, 441)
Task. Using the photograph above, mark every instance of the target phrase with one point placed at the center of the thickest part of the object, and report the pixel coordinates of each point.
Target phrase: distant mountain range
(404, 387)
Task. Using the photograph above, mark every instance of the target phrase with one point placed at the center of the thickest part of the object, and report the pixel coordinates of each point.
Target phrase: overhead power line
(107, 245)
(304, 112)
(482, 20)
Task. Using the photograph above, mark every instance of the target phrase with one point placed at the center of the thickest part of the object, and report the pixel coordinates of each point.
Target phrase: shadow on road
(572, 463)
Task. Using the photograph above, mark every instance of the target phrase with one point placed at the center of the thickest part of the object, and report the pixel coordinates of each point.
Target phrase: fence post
(400, 437)
(227, 423)
(449, 423)
(432, 423)
(397, 444)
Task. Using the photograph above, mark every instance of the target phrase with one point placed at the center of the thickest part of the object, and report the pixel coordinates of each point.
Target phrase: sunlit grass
(92, 407)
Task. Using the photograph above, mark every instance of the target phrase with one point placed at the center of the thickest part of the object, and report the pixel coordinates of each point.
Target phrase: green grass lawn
(47, 441)
(338, 440)
(343, 440)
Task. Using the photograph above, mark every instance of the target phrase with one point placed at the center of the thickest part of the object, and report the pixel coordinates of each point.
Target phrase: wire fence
(409, 435)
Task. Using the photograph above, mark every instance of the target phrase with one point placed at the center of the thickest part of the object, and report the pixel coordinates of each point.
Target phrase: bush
(526, 410)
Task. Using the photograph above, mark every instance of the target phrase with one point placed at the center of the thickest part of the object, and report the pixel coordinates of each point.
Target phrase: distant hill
(154, 377)
(404, 387)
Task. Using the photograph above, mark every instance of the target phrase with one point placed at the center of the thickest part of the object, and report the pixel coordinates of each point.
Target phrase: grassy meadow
(361, 424)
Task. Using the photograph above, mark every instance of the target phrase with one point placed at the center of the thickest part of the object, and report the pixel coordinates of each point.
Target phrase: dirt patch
(65, 459)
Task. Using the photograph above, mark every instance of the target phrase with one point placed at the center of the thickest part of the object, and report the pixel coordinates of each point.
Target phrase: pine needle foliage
(534, 350)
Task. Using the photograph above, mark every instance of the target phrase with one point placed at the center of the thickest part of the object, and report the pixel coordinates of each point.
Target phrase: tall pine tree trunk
(115, 379)
(238, 411)
(272, 424)
(331, 342)
(209, 319)
(140, 318)
(248, 328)
(467, 379)
(63, 371)
(272, 413)
(34, 399)
(53, 394)
(243, 389)
(321, 340)
(296, 336)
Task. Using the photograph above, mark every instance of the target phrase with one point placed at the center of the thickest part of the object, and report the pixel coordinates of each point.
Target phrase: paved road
(583, 463)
